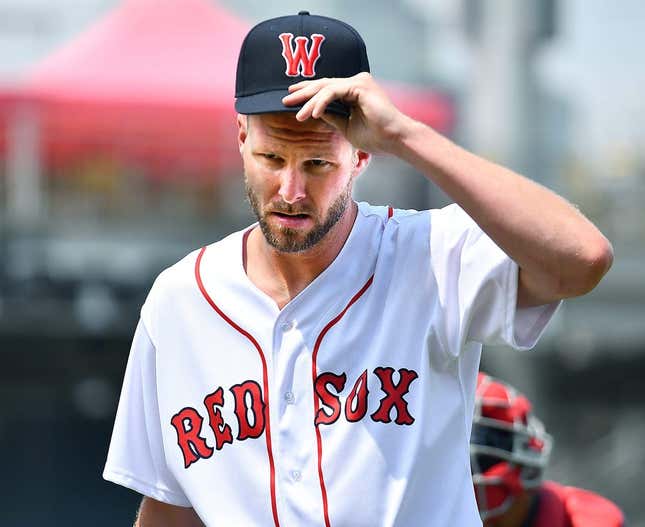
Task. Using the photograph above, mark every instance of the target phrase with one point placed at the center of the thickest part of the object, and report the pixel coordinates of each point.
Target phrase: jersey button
(296, 475)
(289, 397)
(288, 325)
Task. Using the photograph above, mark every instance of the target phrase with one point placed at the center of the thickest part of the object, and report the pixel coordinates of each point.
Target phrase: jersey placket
(296, 467)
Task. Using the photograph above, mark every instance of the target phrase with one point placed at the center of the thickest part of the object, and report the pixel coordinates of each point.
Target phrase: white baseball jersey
(351, 406)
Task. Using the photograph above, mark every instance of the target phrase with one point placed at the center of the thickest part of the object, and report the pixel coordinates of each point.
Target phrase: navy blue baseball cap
(282, 51)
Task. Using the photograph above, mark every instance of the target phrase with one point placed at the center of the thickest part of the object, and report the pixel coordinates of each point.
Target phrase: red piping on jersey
(390, 212)
(265, 381)
(314, 375)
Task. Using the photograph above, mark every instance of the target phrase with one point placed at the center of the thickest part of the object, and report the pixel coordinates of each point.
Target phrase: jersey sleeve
(136, 457)
(481, 281)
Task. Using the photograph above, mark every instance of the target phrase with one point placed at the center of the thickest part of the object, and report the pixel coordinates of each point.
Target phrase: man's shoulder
(387, 212)
(451, 213)
(407, 223)
(442, 229)
(181, 276)
(584, 507)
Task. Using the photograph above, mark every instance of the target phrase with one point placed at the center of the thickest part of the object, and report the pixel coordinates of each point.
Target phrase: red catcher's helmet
(509, 448)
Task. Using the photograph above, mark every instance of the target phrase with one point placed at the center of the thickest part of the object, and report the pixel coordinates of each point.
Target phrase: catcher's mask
(509, 448)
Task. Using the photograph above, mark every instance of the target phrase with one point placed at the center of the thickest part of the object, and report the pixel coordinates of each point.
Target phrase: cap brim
(271, 101)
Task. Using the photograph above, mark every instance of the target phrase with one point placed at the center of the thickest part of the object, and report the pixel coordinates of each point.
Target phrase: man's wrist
(412, 141)
(398, 135)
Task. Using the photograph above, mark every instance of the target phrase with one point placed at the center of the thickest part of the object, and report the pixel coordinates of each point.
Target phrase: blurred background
(118, 156)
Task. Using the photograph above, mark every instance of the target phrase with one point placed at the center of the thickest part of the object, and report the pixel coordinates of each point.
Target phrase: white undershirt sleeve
(136, 457)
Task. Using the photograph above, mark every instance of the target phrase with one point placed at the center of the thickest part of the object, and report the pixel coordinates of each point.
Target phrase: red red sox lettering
(248, 398)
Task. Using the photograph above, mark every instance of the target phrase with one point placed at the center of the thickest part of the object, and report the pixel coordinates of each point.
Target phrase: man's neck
(283, 275)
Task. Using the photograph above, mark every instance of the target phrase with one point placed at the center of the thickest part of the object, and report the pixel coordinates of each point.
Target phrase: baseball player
(319, 367)
(509, 452)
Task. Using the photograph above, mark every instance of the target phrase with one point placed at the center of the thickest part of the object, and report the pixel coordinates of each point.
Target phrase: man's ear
(360, 160)
(242, 131)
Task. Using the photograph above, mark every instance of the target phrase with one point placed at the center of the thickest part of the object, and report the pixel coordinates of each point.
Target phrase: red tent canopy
(153, 83)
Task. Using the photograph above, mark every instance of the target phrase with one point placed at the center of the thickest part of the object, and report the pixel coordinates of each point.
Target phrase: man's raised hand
(375, 124)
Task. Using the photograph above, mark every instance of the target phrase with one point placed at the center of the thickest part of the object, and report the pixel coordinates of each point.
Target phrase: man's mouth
(291, 215)
(291, 220)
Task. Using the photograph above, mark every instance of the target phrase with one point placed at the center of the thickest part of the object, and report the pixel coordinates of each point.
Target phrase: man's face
(298, 176)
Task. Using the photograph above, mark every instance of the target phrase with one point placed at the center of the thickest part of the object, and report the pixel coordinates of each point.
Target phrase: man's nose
(292, 185)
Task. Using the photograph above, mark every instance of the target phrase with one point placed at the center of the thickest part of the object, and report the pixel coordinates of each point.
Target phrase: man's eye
(318, 162)
(270, 158)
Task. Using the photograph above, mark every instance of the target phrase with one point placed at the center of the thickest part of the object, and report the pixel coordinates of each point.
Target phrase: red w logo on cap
(299, 60)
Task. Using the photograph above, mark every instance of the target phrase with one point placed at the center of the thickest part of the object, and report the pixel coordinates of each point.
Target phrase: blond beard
(290, 240)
